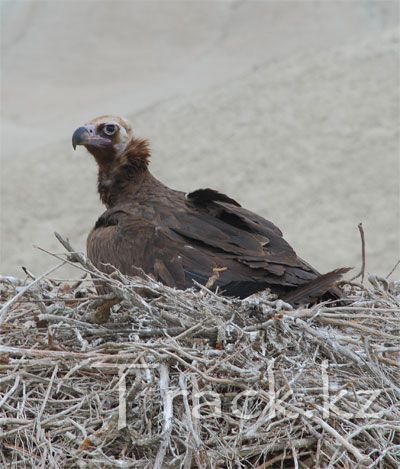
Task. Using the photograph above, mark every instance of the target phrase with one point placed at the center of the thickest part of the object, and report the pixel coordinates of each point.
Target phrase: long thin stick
(394, 268)
(168, 416)
(362, 271)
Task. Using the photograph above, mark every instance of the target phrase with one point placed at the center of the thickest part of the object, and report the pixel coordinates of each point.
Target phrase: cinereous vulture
(178, 237)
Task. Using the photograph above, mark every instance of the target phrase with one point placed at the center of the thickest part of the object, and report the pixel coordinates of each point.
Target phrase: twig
(362, 271)
(167, 414)
(215, 276)
(394, 268)
(28, 273)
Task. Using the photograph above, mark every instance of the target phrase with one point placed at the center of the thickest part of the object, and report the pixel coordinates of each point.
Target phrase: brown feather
(316, 288)
(206, 196)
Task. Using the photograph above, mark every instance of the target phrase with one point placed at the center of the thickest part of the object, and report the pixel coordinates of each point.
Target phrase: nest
(192, 379)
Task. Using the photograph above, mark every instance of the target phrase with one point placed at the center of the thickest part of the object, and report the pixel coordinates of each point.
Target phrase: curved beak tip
(79, 137)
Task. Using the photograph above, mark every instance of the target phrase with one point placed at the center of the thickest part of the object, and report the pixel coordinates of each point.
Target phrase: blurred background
(290, 107)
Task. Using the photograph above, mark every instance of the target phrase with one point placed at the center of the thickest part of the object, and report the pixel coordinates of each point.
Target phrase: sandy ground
(292, 108)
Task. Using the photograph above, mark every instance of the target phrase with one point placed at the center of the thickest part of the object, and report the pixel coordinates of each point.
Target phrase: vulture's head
(104, 136)
(121, 157)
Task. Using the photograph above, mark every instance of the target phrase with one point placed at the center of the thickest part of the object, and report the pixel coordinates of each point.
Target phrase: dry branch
(362, 271)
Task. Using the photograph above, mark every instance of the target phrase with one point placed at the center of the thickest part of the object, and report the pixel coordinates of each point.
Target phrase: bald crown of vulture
(181, 238)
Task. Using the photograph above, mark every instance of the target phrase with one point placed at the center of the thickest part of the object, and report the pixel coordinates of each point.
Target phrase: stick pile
(192, 379)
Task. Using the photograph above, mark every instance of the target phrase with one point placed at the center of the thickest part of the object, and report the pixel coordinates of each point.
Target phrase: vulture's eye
(110, 129)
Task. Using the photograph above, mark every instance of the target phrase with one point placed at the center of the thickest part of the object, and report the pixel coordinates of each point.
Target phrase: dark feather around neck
(121, 176)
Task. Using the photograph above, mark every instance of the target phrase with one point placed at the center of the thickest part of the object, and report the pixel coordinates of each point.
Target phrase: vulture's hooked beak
(87, 135)
(81, 136)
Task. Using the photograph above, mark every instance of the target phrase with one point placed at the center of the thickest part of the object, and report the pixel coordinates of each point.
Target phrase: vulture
(180, 238)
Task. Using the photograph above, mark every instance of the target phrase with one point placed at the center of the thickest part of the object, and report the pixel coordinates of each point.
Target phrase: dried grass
(192, 379)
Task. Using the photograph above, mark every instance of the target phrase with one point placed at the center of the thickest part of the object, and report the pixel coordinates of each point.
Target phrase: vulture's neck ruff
(122, 175)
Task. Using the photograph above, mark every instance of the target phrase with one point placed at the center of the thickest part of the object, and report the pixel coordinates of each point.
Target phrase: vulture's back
(178, 239)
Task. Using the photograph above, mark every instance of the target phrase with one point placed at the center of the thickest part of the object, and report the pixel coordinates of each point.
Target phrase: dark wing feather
(316, 288)
(205, 229)
(255, 241)
(206, 196)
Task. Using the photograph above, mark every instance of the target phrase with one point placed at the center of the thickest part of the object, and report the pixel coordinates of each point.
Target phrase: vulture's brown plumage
(177, 237)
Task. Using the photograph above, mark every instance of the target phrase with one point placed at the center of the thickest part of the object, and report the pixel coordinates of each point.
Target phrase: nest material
(192, 379)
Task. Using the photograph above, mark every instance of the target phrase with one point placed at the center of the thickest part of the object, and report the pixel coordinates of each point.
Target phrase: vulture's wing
(238, 234)
(185, 242)
(126, 239)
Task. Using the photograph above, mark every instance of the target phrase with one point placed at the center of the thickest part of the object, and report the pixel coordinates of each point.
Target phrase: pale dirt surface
(292, 108)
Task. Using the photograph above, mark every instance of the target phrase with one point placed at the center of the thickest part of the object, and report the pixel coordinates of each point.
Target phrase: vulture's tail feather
(316, 288)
